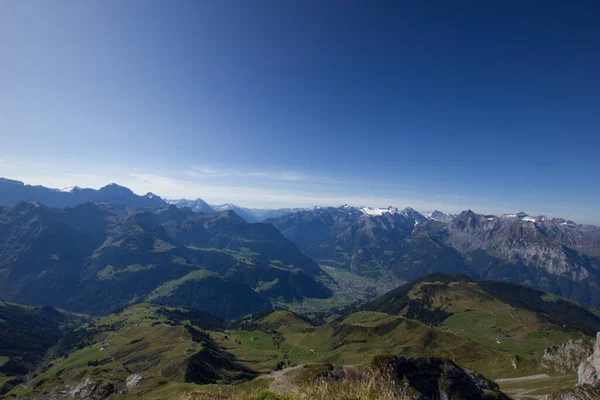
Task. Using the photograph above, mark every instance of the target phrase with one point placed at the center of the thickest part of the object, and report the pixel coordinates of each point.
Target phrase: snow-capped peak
(379, 211)
(437, 215)
(69, 189)
(522, 217)
(409, 212)
(224, 207)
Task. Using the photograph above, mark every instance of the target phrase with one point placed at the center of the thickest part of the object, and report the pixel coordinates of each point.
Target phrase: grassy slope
(140, 339)
(354, 339)
(478, 330)
(507, 319)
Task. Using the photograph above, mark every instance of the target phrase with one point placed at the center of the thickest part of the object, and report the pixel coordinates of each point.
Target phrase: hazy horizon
(258, 205)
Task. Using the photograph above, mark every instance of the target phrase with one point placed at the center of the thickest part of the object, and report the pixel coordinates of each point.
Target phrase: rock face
(132, 381)
(567, 356)
(588, 373)
(436, 378)
(515, 361)
(553, 255)
(589, 370)
(581, 392)
(92, 390)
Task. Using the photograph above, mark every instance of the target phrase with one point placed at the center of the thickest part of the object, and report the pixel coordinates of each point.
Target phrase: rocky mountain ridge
(552, 254)
(197, 205)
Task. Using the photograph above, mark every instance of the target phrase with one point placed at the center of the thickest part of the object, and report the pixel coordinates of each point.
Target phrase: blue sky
(493, 106)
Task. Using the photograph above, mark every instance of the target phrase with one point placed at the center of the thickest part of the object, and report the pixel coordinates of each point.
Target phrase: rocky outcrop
(567, 356)
(418, 378)
(515, 361)
(581, 392)
(437, 378)
(589, 370)
(132, 381)
(93, 390)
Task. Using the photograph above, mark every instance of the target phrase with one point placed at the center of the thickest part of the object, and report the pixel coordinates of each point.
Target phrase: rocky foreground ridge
(588, 372)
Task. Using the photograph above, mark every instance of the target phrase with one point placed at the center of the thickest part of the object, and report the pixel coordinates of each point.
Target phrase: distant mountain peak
(115, 187)
(11, 192)
(226, 206)
(70, 189)
(438, 215)
(410, 212)
(379, 211)
(521, 216)
(7, 181)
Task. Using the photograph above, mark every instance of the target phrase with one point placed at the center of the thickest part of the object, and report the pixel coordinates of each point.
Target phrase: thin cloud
(206, 172)
(279, 176)
(83, 176)
(290, 176)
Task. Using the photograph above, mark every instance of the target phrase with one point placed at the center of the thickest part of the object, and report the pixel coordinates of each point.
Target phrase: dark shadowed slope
(95, 258)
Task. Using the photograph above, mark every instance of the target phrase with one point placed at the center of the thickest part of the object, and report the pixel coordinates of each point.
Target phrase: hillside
(144, 347)
(26, 335)
(96, 258)
(500, 315)
(496, 329)
(149, 351)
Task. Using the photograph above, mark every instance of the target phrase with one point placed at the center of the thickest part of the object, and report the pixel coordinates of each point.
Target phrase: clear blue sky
(489, 105)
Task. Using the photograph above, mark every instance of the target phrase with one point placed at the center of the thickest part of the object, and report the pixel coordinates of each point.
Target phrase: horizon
(484, 106)
(313, 206)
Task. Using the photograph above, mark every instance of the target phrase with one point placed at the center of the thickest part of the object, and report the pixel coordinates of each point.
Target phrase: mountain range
(94, 258)
(13, 192)
(348, 251)
(551, 254)
(197, 205)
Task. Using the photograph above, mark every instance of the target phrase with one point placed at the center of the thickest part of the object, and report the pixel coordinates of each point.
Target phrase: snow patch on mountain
(437, 215)
(70, 189)
(379, 211)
